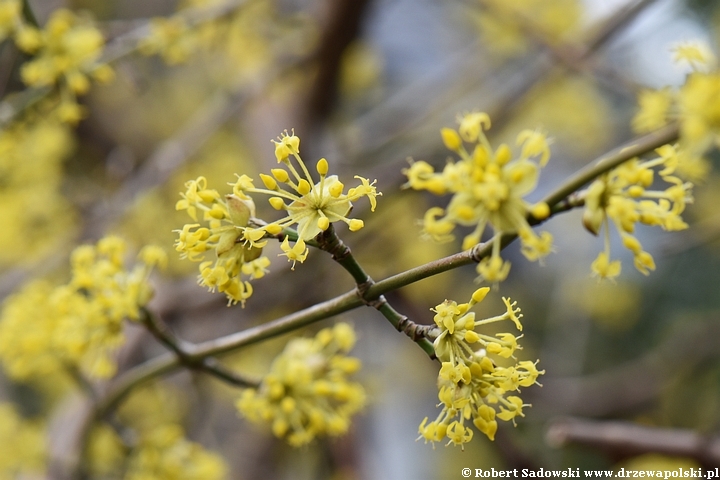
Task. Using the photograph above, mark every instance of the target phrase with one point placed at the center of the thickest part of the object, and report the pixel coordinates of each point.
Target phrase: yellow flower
(470, 382)
(313, 206)
(24, 445)
(307, 393)
(695, 106)
(696, 54)
(503, 31)
(69, 49)
(654, 110)
(624, 197)
(237, 247)
(44, 329)
(488, 188)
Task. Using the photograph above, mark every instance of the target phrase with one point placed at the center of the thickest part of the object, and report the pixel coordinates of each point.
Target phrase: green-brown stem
(331, 243)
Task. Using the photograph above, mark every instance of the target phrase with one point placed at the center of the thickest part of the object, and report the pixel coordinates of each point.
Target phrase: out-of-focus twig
(628, 439)
(343, 27)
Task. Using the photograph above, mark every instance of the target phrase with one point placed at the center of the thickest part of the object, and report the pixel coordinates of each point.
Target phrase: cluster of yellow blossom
(472, 386)
(237, 247)
(695, 106)
(23, 445)
(154, 445)
(65, 53)
(508, 26)
(164, 452)
(31, 156)
(237, 237)
(44, 329)
(240, 38)
(623, 195)
(488, 187)
(307, 392)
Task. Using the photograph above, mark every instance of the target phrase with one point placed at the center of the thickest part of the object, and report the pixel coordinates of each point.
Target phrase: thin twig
(331, 243)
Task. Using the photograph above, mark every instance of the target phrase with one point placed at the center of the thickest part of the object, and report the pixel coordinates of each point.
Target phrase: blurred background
(368, 84)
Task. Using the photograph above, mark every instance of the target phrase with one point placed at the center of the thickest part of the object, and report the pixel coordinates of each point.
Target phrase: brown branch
(625, 439)
(346, 17)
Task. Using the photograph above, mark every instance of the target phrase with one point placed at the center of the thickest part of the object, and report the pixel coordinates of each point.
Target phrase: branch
(607, 162)
(331, 243)
(629, 439)
(342, 29)
(212, 366)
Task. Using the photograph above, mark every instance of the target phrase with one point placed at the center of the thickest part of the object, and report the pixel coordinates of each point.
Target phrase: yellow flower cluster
(31, 156)
(312, 206)
(237, 247)
(472, 386)
(44, 329)
(623, 195)
(164, 452)
(307, 393)
(508, 26)
(23, 445)
(237, 237)
(237, 43)
(488, 187)
(66, 53)
(695, 105)
(155, 446)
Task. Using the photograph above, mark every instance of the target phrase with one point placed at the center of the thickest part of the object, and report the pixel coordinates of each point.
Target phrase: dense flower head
(236, 247)
(488, 187)
(307, 392)
(311, 205)
(625, 196)
(695, 106)
(45, 328)
(473, 387)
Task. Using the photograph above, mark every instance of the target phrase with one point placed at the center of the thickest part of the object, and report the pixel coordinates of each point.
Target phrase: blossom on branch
(488, 188)
(473, 386)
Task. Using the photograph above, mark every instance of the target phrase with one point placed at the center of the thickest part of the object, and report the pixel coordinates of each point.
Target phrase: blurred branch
(570, 55)
(164, 335)
(168, 157)
(28, 13)
(629, 439)
(342, 29)
(576, 56)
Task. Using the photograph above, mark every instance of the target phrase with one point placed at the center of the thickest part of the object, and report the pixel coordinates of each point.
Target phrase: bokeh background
(368, 84)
